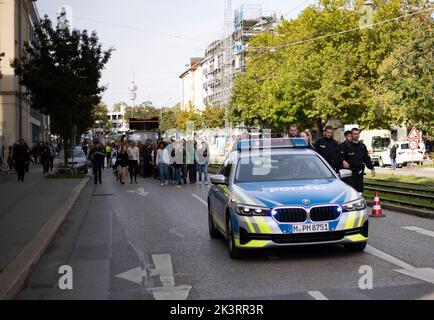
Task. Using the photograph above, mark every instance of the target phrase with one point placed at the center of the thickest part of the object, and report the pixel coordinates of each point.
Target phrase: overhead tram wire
(297, 7)
(340, 32)
(130, 27)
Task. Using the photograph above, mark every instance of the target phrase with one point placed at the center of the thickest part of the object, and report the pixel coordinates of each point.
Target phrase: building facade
(18, 19)
(192, 85)
(224, 60)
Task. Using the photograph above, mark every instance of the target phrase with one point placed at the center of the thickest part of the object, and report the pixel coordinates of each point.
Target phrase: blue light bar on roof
(272, 143)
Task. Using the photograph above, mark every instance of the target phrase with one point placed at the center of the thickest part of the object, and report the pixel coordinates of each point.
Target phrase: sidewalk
(408, 171)
(26, 207)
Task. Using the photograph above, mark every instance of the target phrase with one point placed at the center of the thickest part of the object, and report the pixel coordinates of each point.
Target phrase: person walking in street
(162, 161)
(355, 158)
(134, 158)
(327, 147)
(97, 156)
(45, 157)
(306, 136)
(393, 157)
(203, 157)
(191, 160)
(108, 152)
(20, 156)
(35, 153)
(148, 148)
(176, 159)
(123, 163)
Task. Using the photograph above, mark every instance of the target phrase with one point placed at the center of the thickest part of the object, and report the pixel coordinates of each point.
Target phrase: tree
(61, 71)
(168, 119)
(100, 114)
(213, 117)
(408, 76)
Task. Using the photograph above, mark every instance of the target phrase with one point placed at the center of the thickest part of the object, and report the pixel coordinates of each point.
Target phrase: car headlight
(359, 204)
(247, 210)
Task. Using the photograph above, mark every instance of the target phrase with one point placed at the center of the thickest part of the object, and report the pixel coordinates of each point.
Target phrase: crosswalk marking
(317, 295)
(428, 233)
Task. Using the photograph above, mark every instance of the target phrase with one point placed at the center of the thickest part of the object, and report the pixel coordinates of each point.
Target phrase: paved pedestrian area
(25, 207)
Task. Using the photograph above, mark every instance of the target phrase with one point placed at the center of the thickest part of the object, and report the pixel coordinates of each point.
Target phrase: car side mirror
(344, 173)
(219, 179)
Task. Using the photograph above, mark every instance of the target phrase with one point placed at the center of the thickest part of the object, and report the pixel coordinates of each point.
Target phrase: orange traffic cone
(376, 207)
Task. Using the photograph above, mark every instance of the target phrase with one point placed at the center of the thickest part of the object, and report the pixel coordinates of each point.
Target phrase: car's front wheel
(234, 252)
(356, 247)
(213, 232)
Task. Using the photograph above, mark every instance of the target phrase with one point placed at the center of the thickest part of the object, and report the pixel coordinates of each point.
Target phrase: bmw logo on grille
(305, 201)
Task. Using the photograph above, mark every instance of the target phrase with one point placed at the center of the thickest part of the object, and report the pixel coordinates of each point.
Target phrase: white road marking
(139, 191)
(317, 295)
(135, 275)
(428, 233)
(387, 257)
(424, 274)
(200, 199)
(164, 269)
(179, 187)
(173, 231)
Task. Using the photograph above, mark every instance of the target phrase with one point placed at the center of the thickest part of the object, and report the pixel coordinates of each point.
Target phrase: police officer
(341, 152)
(327, 147)
(355, 157)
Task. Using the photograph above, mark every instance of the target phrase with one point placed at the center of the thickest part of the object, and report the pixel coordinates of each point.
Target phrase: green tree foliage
(61, 72)
(311, 70)
(100, 114)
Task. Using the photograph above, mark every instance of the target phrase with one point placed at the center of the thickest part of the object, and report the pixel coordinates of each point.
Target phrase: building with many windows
(17, 119)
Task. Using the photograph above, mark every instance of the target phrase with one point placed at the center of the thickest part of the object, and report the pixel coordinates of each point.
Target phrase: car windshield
(78, 153)
(282, 167)
(379, 143)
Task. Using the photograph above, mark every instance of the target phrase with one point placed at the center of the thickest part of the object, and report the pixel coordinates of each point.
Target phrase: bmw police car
(277, 192)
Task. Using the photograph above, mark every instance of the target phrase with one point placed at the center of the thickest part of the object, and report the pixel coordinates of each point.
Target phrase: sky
(155, 39)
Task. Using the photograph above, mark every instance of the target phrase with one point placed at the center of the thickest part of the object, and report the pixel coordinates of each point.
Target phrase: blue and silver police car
(278, 192)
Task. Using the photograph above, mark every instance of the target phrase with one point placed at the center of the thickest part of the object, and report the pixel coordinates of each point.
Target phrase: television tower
(133, 94)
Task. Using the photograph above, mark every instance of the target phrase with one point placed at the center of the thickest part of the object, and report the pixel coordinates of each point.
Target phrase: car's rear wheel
(234, 252)
(356, 247)
(213, 232)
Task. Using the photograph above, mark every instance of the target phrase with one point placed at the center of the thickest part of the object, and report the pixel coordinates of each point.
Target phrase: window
(283, 167)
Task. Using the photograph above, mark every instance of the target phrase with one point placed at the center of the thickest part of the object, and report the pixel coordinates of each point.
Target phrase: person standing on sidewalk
(393, 157)
(134, 158)
(97, 156)
(203, 157)
(191, 160)
(355, 157)
(45, 157)
(20, 155)
(52, 155)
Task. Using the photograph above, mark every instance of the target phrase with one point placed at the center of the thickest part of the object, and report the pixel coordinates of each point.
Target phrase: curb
(14, 276)
(412, 211)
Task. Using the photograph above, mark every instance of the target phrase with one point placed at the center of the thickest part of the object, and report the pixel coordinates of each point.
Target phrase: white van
(376, 141)
(404, 155)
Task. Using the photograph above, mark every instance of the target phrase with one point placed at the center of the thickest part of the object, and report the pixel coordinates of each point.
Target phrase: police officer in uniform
(327, 147)
(341, 152)
(355, 158)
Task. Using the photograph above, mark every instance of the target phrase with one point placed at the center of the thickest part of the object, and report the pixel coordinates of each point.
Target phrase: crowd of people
(172, 162)
(21, 155)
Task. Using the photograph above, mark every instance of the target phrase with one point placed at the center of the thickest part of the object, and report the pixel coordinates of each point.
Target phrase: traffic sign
(413, 144)
(414, 135)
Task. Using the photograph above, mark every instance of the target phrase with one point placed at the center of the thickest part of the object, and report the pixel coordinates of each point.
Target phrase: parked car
(81, 163)
(377, 142)
(404, 155)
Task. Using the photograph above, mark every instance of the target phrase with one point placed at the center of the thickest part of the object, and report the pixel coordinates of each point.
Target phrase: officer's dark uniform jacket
(327, 148)
(356, 154)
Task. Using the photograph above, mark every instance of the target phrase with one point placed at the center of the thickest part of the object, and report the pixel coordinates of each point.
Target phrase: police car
(278, 192)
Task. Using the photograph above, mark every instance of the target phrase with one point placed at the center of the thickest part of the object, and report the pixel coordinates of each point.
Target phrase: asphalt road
(145, 241)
